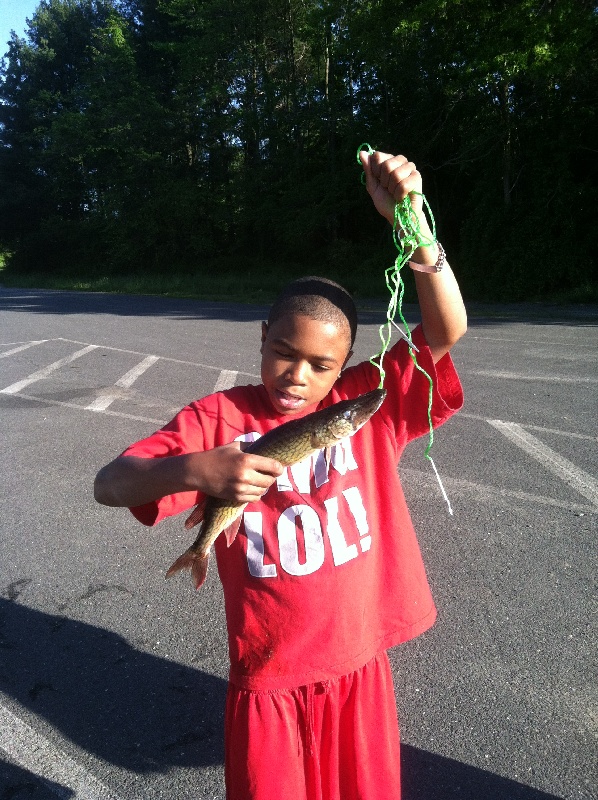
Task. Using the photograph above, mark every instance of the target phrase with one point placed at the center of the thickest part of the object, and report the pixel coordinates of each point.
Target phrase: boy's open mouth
(288, 401)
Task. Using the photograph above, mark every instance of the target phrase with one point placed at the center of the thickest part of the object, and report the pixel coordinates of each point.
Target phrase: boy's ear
(349, 354)
(264, 331)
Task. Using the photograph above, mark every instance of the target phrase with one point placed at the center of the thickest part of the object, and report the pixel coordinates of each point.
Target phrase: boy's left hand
(389, 179)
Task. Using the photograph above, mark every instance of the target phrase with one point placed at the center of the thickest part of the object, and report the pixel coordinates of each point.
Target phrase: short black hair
(317, 298)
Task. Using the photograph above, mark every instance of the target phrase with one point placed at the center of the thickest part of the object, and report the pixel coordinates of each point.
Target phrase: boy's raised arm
(389, 179)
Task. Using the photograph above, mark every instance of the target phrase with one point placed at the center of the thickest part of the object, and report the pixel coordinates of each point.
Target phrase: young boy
(326, 572)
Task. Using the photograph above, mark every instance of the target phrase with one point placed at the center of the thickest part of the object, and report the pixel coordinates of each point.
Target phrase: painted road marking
(226, 380)
(516, 376)
(543, 342)
(46, 371)
(564, 469)
(573, 476)
(22, 347)
(65, 404)
(35, 753)
(570, 434)
(483, 491)
(162, 358)
(102, 402)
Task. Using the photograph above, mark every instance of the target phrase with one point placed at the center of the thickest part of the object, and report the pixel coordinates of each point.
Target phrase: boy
(326, 573)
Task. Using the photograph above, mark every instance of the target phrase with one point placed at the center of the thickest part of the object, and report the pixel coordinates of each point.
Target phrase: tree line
(192, 135)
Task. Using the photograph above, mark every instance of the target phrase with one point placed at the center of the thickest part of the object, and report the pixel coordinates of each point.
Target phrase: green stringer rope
(407, 237)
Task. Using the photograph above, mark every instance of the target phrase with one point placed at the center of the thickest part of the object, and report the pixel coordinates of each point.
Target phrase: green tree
(157, 132)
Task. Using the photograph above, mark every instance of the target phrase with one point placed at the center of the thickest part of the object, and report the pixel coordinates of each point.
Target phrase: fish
(288, 443)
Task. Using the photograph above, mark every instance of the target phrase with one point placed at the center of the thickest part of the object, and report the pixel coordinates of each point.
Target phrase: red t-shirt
(326, 570)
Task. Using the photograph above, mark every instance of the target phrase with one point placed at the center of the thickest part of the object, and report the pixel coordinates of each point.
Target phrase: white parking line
(570, 434)
(226, 380)
(64, 404)
(35, 753)
(46, 371)
(22, 347)
(162, 358)
(543, 342)
(102, 402)
(457, 486)
(516, 376)
(573, 476)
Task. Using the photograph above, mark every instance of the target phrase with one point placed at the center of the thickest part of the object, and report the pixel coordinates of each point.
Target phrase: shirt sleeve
(183, 434)
(405, 409)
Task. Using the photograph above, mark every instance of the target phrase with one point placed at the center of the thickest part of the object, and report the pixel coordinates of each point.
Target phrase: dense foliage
(199, 134)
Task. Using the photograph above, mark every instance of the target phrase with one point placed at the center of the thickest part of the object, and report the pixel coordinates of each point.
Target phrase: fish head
(365, 406)
(348, 416)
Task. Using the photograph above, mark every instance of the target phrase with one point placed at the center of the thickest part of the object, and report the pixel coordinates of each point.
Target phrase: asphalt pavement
(112, 681)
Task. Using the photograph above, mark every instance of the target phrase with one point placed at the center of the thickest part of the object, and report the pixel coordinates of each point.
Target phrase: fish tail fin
(197, 515)
(199, 571)
(193, 561)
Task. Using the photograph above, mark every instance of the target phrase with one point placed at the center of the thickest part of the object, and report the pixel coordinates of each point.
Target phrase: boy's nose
(297, 373)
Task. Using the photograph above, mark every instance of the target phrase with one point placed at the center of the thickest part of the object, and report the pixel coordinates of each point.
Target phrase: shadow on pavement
(127, 707)
(372, 311)
(427, 776)
(148, 714)
(19, 784)
(65, 303)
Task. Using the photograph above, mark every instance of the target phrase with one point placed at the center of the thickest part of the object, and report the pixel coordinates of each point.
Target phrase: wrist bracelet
(440, 262)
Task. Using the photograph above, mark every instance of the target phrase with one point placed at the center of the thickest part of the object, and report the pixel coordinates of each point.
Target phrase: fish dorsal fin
(196, 515)
(230, 533)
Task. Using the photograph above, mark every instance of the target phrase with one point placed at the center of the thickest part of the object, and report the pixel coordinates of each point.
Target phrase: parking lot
(112, 681)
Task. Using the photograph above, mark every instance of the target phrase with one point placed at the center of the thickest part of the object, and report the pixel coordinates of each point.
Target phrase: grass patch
(255, 283)
(237, 287)
(586, 293)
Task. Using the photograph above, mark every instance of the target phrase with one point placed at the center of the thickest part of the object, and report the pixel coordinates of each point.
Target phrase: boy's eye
(287, 356)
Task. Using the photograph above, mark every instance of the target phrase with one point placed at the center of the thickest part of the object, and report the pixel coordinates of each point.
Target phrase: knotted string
(407, 237)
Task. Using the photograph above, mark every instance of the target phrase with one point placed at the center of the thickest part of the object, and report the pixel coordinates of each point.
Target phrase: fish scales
(288, 450)
(289, 443)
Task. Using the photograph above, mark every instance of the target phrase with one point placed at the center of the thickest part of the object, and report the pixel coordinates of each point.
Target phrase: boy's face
(301, 360)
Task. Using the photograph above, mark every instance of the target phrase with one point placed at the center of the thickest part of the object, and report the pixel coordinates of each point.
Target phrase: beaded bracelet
(437, 267)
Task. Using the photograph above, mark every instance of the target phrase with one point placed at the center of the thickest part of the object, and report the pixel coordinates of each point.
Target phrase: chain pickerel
(288, 444)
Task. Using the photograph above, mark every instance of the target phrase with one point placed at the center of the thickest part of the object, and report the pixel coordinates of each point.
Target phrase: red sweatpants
(336, 740)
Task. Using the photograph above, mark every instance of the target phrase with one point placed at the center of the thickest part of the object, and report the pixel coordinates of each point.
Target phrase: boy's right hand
(226, 472)
(229, 473)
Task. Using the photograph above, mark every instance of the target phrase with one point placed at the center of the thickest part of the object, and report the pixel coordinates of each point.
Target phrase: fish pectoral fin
(197, 515)
(230, 533)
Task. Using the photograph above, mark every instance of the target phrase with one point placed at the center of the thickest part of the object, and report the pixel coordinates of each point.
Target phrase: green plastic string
(407, 237)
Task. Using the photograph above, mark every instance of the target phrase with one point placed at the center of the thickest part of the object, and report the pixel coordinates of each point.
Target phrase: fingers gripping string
(407, 237)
